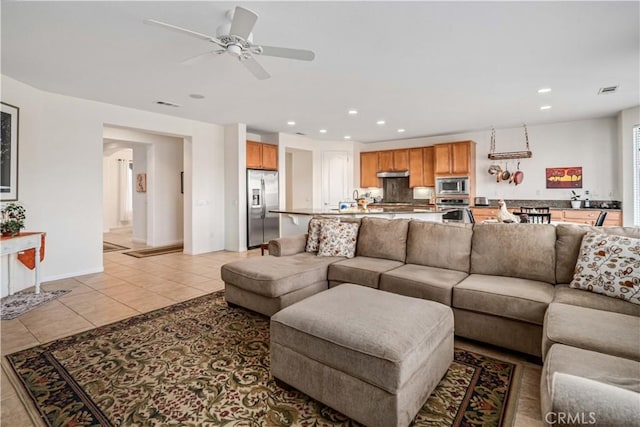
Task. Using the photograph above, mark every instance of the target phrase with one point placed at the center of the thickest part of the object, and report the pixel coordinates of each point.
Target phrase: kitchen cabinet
(369, 169)
(262, 156)
(584, 216)
(421, 167)
(483, 214)
(455, 158)
(393, 160)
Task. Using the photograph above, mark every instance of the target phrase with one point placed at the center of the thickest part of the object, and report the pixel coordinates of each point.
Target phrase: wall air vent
(608, 89)
(167, 104)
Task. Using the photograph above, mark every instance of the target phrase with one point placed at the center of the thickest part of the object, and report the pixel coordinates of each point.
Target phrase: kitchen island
(296, 221)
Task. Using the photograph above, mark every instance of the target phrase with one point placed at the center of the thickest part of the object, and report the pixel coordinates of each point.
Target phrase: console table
(12, 245)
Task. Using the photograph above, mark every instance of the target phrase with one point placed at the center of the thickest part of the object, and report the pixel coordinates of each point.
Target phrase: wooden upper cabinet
(262, 156)
(369, 169)
(416, 167)
(270, 156)
(401, 160)
(393, 160)
(455, 158)
(254, 155)
(428, 178)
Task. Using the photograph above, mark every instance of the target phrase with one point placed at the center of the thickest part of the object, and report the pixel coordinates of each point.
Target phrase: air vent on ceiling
(167, 104)
(608, 89)
(300, 133)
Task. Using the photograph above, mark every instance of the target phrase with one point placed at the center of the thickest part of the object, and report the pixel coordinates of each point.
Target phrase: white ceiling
(429, 67)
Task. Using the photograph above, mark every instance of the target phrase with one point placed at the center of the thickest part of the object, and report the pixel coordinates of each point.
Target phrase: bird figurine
(504, 215)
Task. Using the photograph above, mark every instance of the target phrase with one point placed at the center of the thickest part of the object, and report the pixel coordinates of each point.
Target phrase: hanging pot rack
(507, 155)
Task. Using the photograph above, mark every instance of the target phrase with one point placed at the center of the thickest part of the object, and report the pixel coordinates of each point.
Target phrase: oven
(458, 209)
(452, 186)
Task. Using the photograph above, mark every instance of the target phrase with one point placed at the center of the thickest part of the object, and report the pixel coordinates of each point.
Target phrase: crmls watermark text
(572, 418)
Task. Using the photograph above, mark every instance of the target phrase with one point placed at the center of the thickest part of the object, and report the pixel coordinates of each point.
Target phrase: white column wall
(627, 120)
(235, 200)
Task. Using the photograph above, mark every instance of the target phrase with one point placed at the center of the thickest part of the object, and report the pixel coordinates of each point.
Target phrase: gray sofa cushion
(420, 281)
(361, 270)
(519, 299)
(566, 295)
(387, 339)
(383, 238)
(272, 276)
(578, 381)
(451, 250)
(526, 251)
(597, 330)
(569, 238)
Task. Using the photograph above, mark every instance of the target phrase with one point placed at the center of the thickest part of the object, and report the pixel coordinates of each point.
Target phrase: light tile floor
(130, 286)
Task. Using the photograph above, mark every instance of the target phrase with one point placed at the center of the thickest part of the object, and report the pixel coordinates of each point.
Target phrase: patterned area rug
(201, 363)
(21, 302)
(160, 250)
(111, 247)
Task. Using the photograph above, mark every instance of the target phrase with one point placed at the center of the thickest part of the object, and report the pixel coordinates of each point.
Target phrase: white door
(335, 178)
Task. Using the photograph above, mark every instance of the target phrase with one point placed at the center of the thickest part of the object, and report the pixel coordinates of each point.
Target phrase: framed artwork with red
(564, 177)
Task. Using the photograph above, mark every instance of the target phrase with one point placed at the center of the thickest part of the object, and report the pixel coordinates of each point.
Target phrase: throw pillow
(338, 239)
(609, 265)
(314, 232)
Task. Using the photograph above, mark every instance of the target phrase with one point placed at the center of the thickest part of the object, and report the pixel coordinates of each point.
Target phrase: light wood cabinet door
(442, 159)
(385, 161)
(254, 155)
(369, 169)
(460, 156)
(270, 156)
(428, 178)
(401, 160)
(613, 219)
(580, 216)
(416, 167)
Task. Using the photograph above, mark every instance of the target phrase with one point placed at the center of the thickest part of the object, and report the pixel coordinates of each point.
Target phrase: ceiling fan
(237, 40)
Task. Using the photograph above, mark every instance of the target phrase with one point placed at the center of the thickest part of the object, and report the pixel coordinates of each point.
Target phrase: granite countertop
(372, 210)
(550, 208)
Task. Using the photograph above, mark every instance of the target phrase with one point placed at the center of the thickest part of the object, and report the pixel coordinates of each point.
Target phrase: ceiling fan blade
(243, 22)
(285, 52)
(255, 68)
(198, 58)
(184, 31)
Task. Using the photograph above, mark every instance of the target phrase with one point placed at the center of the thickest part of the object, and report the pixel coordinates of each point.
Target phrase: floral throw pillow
(314, 232)
(338, 239)
(609, 265)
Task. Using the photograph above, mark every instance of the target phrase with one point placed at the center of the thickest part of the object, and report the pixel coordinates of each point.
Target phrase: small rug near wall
(22, 302)
(111, 247)
(159, 250)
(201, 363)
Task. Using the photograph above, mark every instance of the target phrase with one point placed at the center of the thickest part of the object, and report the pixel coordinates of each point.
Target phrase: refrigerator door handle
(262, 194)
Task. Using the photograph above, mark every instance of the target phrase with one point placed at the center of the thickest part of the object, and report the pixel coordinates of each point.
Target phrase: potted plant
(575, 200)
(13, 216)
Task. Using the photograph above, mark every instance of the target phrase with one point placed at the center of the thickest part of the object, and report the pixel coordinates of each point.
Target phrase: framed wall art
(141, 183)
(9, 152)
(567, 177)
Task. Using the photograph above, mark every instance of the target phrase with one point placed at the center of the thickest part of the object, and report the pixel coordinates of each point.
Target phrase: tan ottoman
(372, 355)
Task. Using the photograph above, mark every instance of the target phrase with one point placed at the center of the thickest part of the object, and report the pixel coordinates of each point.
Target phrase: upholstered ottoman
(372, 355)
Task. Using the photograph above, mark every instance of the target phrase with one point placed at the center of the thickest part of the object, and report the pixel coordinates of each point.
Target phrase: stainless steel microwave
(452, 186)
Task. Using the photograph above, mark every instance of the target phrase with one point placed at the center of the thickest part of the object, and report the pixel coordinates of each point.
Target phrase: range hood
(393, 174)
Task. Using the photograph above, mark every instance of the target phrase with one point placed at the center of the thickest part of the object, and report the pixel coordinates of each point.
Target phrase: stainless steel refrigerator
(262, 196)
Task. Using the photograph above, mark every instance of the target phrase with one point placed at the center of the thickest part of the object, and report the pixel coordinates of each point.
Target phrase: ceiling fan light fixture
(235, 50)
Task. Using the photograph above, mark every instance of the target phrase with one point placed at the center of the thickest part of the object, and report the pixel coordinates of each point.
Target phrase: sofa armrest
(583, 401)
(289, 245)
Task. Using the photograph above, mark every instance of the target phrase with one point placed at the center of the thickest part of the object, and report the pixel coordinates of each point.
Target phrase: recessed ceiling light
(353, 112)
(546, 107)
(291, 123)
(196, 96)
(544, 90)
(380, 122)
(323, 131)
(347, 137)
(400, 130)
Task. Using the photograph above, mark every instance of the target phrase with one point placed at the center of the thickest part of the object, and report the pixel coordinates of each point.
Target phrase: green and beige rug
(201, 363)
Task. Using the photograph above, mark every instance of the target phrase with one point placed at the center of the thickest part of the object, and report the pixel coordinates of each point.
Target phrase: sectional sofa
(507, 284)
